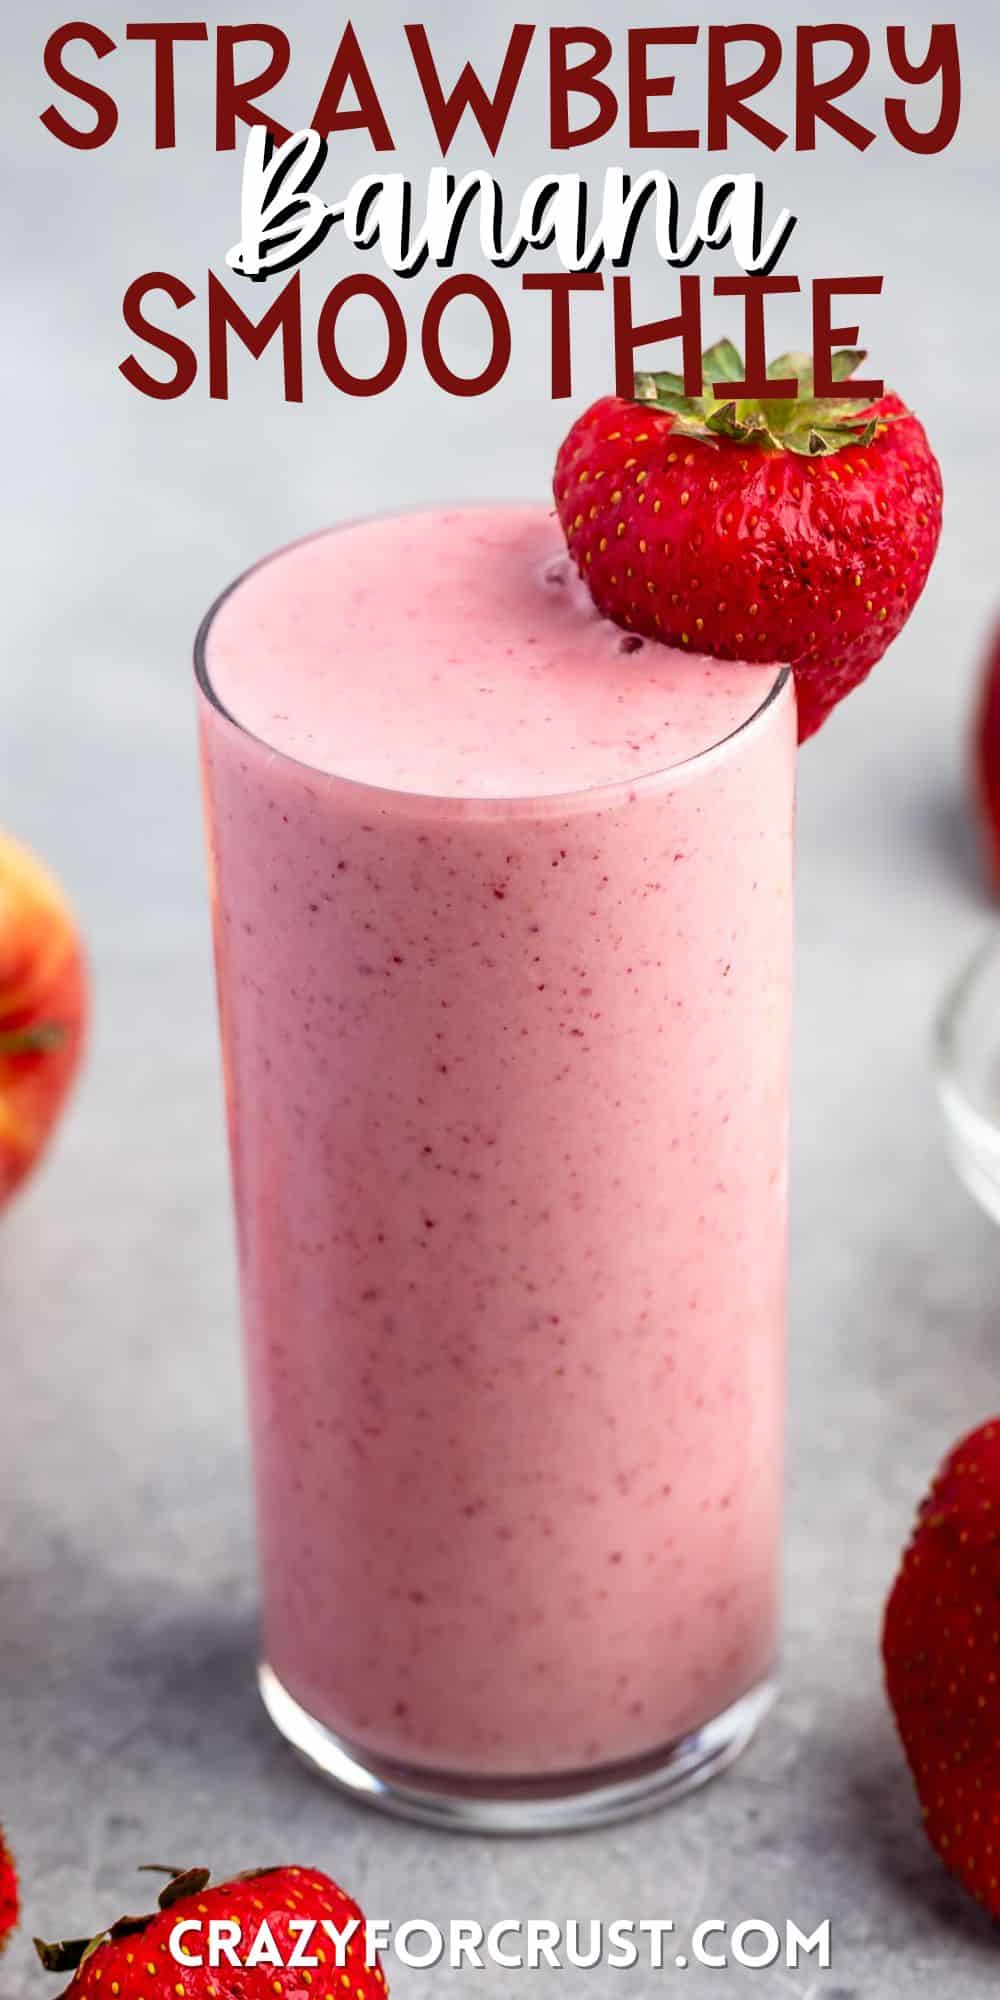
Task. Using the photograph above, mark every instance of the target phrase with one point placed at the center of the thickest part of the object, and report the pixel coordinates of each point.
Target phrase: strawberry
(941, 1646)
(9, 1904)
(986, 762)
(133, 1961)
(794, 531)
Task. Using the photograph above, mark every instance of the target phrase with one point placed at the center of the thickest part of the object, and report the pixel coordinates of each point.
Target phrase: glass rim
(450, 804)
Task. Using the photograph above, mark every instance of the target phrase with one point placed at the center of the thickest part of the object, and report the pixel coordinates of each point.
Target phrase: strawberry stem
(64, 1956)
(68, 1954)
(810, 426)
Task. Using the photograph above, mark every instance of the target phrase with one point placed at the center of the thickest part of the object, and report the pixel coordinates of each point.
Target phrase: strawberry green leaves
(722, 363)
(68, 1954)
(813, 427)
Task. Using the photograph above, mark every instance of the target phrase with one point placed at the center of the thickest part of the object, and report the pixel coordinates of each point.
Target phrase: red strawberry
(800, 531)
(986, 762)
(133, 1961)
(941, 1646)
(8, 1892)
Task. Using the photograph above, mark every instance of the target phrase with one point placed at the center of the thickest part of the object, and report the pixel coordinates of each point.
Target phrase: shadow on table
(882, 1815)
(132, 1672)
(942, 828)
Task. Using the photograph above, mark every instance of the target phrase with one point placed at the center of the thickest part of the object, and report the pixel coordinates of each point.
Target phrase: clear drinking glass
(967, 1065)
(512, 1241)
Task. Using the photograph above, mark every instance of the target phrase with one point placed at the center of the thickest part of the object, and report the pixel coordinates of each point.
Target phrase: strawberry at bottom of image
(132, 1959)
(941, 1647)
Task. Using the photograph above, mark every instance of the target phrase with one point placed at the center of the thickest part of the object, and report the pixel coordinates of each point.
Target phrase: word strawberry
(986, 762)
(133, 1960)
(9, 1904)
(796, 531)
(941, 1646)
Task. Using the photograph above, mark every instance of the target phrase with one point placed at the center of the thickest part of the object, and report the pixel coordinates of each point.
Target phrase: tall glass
(511, 1207)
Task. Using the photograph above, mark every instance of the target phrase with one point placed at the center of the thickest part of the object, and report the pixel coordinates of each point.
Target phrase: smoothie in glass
(502, 908)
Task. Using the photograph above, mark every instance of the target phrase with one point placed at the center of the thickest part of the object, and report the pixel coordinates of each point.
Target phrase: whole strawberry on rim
(941, 1648)
(794, 530)
(132, 1960)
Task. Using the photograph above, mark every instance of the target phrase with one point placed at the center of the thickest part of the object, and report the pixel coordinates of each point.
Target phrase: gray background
(129, 1726)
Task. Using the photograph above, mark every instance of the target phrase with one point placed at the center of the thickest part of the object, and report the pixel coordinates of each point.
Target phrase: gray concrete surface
(129, 1726)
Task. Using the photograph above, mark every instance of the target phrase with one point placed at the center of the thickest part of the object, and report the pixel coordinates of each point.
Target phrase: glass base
(558, 1804)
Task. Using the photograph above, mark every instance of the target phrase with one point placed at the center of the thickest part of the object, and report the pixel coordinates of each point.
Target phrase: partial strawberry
(797, 531)
(941, 1647)
(986, 762)
(9, 1901)
(133, 1961)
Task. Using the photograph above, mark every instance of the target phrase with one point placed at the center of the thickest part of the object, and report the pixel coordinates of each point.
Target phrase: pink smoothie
(502, 904)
